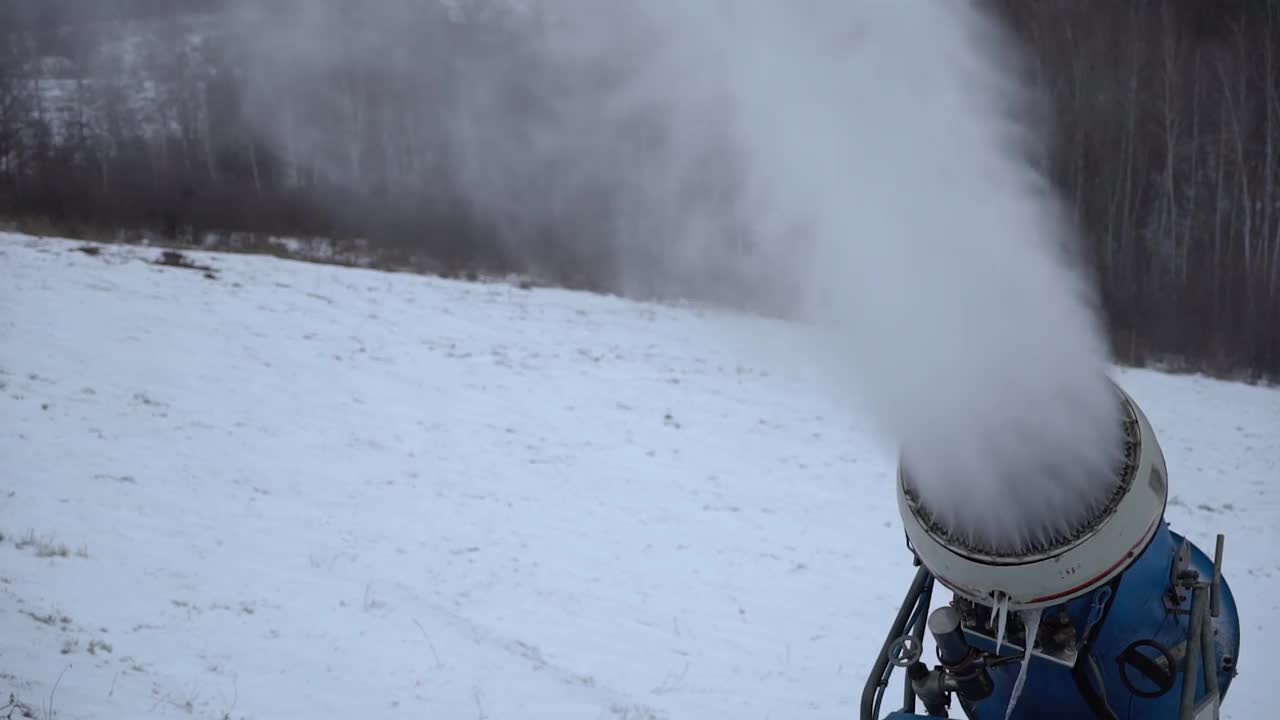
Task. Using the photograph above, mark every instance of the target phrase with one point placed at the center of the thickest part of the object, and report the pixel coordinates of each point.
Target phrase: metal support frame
(921, 616)
(1191, 661)
(1201, 657)
(912, 616)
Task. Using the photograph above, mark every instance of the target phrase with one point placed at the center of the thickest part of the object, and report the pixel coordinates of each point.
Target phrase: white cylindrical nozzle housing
(1066, 570)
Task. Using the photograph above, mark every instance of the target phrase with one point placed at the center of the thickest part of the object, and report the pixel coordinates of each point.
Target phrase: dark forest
(1165, 121)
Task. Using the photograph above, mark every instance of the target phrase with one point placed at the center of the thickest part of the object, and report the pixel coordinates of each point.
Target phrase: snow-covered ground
(292, 490)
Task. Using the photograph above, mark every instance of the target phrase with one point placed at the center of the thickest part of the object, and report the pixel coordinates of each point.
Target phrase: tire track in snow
(617, 703)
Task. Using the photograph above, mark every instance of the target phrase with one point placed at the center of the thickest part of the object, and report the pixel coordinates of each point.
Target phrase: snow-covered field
(299, 491)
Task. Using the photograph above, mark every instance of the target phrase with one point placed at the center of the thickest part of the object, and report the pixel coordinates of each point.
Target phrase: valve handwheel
(904, 651)
(1161, 676)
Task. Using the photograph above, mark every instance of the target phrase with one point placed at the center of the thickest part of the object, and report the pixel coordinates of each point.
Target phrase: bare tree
(1166, 144)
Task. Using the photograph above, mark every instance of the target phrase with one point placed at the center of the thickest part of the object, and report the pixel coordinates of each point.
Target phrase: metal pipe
(875, 679)
(1215, 593)
(1191, 661)
(944, 624)
(930, 686)
(1209, 653)
(921, 606)
(921, 613)
(967, 668)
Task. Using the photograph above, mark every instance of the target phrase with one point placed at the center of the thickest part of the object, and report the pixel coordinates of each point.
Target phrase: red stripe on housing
(1127, 556)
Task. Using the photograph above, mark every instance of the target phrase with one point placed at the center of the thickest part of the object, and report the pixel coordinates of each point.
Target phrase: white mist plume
(887, 155)
(869, 165)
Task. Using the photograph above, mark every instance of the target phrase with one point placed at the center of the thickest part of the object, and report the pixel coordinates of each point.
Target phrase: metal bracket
(1177, 594)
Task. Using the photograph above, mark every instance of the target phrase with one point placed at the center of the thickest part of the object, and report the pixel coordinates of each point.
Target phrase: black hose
(916, 625)
(1079, 671)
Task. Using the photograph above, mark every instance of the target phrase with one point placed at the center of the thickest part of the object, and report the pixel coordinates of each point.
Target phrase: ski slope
(304, 491)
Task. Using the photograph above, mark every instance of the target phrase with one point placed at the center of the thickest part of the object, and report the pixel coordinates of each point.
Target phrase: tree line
(1166, 127)
(1168, 147)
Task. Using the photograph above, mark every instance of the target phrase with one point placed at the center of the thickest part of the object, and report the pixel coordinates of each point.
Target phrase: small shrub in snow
(173, 258)
(15, 709)
(43, 547)
(51, 619)
(371, 601)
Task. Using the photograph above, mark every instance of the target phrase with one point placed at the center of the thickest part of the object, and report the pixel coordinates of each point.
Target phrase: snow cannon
(1119, 618)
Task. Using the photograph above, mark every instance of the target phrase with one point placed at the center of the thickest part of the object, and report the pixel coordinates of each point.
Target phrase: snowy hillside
(280, 490)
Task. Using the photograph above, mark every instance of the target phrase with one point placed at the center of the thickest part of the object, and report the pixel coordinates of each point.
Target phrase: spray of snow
(889, 171)
(871, 166)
